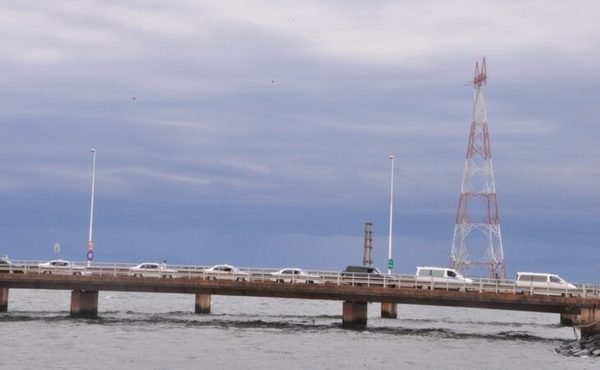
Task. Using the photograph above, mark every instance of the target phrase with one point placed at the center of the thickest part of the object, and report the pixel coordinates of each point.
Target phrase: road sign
(91, 245)
(390, 263)
(90, 255)
(57, 248)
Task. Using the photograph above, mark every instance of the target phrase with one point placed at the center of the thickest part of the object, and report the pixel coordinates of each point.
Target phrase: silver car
(294, 275)
(429, 277)
(7, 266)
(225, 272)
(543, 283)
(152, 269)
(61, 267)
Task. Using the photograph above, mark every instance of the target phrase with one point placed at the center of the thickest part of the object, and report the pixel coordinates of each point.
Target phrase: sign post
(57, 249)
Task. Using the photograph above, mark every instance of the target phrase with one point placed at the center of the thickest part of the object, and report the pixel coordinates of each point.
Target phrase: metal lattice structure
(477, 241)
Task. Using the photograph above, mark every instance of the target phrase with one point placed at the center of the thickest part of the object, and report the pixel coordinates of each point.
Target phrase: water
(160, 331)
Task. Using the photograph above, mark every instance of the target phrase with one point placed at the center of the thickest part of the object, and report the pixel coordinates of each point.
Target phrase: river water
(160, 331)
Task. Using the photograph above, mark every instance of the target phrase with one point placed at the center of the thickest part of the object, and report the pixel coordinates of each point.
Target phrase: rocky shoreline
(585, 347)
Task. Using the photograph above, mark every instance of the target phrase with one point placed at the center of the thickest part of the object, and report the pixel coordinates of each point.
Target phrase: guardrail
(393, 281)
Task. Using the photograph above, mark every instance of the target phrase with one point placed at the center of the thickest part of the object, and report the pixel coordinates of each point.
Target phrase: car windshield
(555, 279)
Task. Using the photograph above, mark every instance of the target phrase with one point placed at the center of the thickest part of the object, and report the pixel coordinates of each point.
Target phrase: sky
(257, 133)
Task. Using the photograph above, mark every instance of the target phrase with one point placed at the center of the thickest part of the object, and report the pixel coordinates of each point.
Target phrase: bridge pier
(568, 319)
(354, 315)
(389, 310)
(203, 302)
(588, 321)
(3, 299)
(84, 303)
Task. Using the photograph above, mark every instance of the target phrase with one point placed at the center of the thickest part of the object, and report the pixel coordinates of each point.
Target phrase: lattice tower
(477, 241)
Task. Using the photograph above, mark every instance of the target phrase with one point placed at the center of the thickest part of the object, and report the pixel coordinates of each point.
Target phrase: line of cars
(58, 266)
(426, 277)
(431, 277)
(217, 272)
(162, 270)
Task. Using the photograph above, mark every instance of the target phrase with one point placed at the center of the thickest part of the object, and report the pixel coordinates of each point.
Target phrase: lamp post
(390, 260)
(91, 246)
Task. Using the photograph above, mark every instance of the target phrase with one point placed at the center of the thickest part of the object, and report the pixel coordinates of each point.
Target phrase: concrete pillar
(203, 303)
(568, 319)
(354, 315)
(589, 322)
(389, 310)
(84, 303)
(3, 299)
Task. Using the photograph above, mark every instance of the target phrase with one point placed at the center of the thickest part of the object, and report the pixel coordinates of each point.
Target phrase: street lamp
(390, 260)
(91, 247)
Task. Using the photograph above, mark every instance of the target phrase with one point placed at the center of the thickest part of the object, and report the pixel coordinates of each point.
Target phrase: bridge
(579, 308)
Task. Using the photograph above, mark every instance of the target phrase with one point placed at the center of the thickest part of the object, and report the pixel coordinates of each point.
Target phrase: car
(294, 275)
(62, 267)
(152, 269)
(6, 266)
(363, 275)
(428, 277)
(225, 272)
(362, 272)
(543, 283)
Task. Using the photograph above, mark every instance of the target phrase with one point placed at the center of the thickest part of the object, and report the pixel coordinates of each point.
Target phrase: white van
(440, 277)
(544, 283)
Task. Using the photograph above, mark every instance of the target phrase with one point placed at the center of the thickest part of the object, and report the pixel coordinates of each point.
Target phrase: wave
(286, 323)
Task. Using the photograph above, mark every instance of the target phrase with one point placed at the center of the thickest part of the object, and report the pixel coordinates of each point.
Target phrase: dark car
(363, 275)
(362, 271)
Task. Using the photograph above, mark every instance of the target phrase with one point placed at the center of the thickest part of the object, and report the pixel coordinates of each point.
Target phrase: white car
(225, 272)
(428, 277)
(152, 269)
(6, 266)
(62, 267)
(294, 275)
(544, 283)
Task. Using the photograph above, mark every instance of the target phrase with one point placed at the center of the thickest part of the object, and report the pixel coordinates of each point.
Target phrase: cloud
(277, 120)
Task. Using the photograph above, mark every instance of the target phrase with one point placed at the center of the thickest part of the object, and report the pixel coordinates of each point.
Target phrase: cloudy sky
(257, 133)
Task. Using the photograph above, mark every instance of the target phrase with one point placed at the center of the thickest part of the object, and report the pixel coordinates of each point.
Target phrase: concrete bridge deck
(580, 311)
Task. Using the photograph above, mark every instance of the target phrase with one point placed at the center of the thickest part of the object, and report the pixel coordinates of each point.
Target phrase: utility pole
(91, 246)
(390, 259)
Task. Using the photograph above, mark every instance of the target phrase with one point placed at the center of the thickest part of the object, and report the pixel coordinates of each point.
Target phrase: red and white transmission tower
(477, 242)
